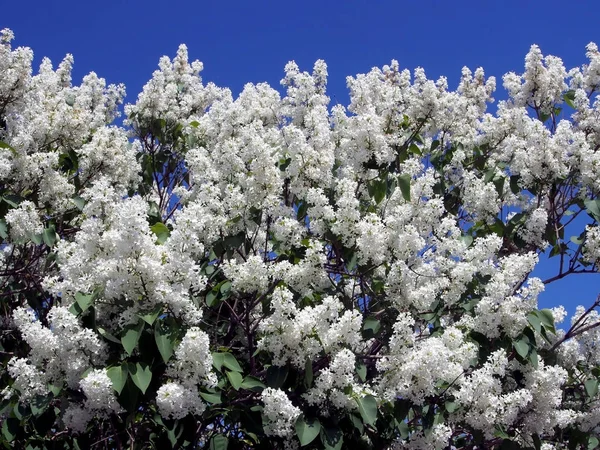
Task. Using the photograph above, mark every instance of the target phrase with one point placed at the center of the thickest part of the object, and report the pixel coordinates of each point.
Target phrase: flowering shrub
(272, 272)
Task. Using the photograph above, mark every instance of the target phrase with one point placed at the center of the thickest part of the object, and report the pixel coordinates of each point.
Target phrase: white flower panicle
(193, 360)
(279, 413)
(297, 335)
(177, 401)
(99, 392)
(24, 221)
(380, 253)
(61, 353)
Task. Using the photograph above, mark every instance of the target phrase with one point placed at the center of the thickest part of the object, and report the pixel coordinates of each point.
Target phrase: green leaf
(403, 429)
(351, 261)
(451, 406)
(118, 376)
(253, 384)
(211, 397)
(141, 375)
(358, 424)
(218, 441)
(569, 98)
(225, 287)
(151, 316)
(415, 150)
(233, 242)
(8, 147)
(533, 358)
(129, 397)
(537, 442)
(235, 379)
(499, 184)
(20, 410)
(557, 250)
(308, 374)
(39, 404)
(12, 200)
(131, 337)
(467, 239)
(497, 227)
(367, 406)
(429, 419)
(371, 327)
(361, 371)
(231, 363)
(522, 346)
(153, 210)
(45, 421)
(535, 321)
(380, 191)
(402, 408)
(55, 389)
(78, 202)
(307, 429)
(194, 124)
(489, 175)
(578, 240)
(501, 432)
(332, 438)
(377, 285)
(514, 184)
(49, 236)
(105, 334)
(591, 387)
(174, 434)
(592, 207)
(3, 229)
(37, 239)
(211, 298)
(218, 360)
(84, 300)
(10, 428)
(161, 231)
(302, 210)
(377, 188)
(164, 341)
(276, 376)
(547, 319)
(404, 183)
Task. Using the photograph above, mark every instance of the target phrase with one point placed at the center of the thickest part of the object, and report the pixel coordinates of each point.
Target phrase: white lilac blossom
(177, 401)
(23, 221)
(297, 335)
(99, 392)
(260, 266)
(60, 353)
(279, 413)
(193, 362)
(591, 249)
(336, 383)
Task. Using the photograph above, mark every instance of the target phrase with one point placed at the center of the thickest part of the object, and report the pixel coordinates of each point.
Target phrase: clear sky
(250, 41)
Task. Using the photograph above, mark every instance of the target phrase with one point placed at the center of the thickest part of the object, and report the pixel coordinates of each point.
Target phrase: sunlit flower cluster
(370, 257)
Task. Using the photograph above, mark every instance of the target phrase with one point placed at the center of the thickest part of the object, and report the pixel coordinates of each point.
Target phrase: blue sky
(250, 41)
